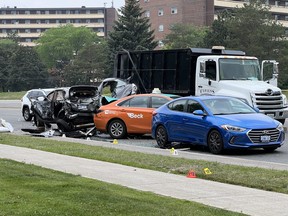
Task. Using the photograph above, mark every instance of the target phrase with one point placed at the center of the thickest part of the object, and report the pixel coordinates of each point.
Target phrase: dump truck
(202, 71)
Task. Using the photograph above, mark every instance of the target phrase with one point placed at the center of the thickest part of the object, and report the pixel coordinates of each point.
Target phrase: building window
(13, 12)
(38, 21)
(286, 4)
(146, 0)
(27, 31)
(3, 21)
(4, 31)
(27, 21)
(160, 43)
(174, 10)
(276, 17)
(28, 40)
(47, 21)
(276, 3)
(161, 28)
(160, 12)
(286, 18)
(87, 11)
(147, 14)
(38, 30)
(88, 21)
(27, 12)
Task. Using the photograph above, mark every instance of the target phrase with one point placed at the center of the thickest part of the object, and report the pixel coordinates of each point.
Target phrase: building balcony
(48, 25)
(233, 4)
(49, 16)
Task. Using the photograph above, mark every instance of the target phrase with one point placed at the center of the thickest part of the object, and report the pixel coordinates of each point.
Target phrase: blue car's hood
(253, 120)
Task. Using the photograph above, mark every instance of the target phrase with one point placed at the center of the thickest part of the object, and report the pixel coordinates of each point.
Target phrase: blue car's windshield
(227, 106)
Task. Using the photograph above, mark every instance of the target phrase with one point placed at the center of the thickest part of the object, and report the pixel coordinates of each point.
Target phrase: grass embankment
(11, 95)
(270, 180)
(31, 190)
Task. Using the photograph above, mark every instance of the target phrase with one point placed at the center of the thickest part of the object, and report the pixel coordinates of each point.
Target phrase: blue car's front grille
(255, 135)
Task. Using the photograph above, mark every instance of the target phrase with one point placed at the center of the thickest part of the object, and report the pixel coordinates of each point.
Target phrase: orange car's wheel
(117, 129)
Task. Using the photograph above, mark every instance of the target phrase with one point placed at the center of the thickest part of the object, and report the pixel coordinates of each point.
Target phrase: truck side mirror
(275, 68)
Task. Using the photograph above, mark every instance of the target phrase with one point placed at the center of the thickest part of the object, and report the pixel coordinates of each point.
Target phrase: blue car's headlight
(280, 127)
(233, 128)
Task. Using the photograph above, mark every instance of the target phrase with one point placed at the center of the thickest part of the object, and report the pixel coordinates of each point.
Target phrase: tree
(59, 47)
(130, 32)
(250, 28)
(184, 36)
(88, 66)
(26, 71)
(8, 48)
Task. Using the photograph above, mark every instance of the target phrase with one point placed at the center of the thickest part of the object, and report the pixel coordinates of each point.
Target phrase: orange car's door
(136, 115)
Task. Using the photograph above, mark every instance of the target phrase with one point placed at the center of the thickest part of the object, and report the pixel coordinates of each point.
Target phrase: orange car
(129, 115)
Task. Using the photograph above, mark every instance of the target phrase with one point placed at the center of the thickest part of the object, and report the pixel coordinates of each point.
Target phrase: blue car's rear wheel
(215, 142)
(162, 137)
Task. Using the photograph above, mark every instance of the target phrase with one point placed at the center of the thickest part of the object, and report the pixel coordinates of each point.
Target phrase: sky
(60, 3)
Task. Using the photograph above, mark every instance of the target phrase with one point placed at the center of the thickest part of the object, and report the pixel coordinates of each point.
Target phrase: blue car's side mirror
(199, 112)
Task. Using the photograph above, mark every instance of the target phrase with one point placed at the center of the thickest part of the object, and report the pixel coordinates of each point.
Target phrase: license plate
(265, 138)
(82, 107)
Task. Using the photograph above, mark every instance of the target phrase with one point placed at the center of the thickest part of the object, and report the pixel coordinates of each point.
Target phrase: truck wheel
(162, 137)
(26, 114)
(117, 129)
(215, 142)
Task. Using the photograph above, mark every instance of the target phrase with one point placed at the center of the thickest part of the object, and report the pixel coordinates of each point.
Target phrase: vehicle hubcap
(215, 141)
(160, 136)
(117, 129)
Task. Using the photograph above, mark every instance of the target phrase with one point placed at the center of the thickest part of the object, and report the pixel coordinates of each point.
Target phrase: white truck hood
(240, 86)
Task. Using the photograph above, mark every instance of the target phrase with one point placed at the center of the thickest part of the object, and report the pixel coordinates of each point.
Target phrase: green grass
(31, 190)
(270, 180)
(11, 95)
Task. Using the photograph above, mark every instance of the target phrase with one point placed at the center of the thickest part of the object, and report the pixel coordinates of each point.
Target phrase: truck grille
(268, 101)
(255, 135)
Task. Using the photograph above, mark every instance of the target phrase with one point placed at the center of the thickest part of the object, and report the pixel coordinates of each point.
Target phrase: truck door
(207, 76)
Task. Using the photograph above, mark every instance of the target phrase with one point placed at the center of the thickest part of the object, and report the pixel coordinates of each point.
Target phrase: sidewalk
(234, 198)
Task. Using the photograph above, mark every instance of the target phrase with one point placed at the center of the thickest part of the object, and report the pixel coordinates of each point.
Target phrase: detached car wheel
(117, 129)
(162, 137)
(215, 142)
(26, 114)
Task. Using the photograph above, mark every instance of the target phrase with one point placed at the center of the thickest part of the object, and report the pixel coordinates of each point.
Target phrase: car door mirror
(199, 112)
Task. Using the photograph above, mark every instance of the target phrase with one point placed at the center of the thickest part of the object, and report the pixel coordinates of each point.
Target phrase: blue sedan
(217, 122)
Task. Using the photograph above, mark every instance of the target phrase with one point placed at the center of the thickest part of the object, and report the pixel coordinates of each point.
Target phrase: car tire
(117, 129)
(26, 114)
(63, 126)
(37, 122)
(215, 142)
(161, 137)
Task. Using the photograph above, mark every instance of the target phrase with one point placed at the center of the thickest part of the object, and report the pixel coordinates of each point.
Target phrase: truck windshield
(239, 69)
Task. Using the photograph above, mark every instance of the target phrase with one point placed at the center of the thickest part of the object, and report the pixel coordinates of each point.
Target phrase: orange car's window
(158, 101)
(135, 102)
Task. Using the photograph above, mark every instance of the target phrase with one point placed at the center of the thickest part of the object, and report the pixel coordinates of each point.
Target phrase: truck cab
(241, 77)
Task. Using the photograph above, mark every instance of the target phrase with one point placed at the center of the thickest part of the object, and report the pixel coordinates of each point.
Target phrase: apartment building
(279, 9)
(29, 23)
(163, 14)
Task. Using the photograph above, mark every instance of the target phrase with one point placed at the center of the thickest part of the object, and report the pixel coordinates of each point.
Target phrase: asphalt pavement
(225, 196)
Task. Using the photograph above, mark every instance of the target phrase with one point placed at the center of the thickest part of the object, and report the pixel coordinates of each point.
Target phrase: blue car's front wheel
(162, 137)
(215, 142)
